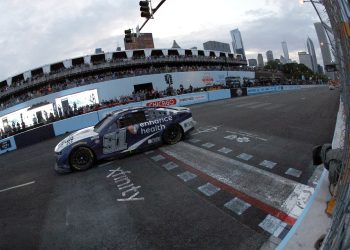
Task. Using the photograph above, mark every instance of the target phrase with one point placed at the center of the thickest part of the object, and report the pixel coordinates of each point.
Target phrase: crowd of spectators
(73, 110)
(57, 86)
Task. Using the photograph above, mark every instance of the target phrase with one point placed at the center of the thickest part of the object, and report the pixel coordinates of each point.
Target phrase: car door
(132, 123)
(125, 133)
(114, 139)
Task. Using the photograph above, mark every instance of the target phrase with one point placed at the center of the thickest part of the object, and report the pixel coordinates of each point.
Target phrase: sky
(34, 33)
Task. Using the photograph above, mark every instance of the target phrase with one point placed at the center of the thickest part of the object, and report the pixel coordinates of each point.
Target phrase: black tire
(81, 159)
(173, 134)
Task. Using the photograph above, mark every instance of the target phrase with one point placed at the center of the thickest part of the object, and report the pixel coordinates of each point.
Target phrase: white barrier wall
(108, 90)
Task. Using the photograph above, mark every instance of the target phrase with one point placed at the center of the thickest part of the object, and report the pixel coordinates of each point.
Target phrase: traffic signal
(168, 79)
(145, 9)
(128, 38)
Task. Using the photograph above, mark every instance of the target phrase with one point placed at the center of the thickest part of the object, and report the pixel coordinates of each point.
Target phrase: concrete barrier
(219, 94)
(75, 123)
(34, 136)
(90, 119)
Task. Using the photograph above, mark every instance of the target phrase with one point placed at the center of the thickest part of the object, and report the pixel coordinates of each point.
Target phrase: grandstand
(34, 95)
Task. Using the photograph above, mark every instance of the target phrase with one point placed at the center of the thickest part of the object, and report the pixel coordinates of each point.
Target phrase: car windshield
(103, 123)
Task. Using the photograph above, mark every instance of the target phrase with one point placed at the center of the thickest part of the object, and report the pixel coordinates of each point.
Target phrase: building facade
(260, 61)
(312, 53)
(237, 42)
(324, 44)
(252, 62)
(217, 46)
(269, 56)
(144, 41)
(305, 58)
(285, 51)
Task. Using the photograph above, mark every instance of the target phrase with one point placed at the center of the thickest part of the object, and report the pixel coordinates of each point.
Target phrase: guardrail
(86, 120)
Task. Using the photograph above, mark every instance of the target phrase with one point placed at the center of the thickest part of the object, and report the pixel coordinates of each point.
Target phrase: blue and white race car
(121, 132)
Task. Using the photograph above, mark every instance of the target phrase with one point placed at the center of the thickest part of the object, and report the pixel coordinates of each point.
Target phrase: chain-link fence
(338, 11)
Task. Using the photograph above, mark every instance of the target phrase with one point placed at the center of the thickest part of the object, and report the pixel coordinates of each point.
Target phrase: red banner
(162, 103)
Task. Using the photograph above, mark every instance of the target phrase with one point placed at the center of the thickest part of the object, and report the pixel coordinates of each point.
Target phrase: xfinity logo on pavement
(124, 184)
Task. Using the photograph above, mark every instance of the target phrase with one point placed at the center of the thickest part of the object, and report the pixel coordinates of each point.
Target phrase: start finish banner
(181, 100)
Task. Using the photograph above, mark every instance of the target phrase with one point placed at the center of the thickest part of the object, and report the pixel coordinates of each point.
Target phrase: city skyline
(37, 33)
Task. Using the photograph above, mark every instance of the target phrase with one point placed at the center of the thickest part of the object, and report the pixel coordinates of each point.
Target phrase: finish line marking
(14, 187)
(248, 199)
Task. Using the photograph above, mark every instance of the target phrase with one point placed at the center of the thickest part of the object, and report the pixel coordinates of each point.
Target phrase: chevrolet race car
(121, 132)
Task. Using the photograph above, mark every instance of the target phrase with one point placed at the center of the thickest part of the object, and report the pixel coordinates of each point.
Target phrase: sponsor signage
(193, 99)
(207, 79)
(4, 145)
(7, 145)
(162, 103)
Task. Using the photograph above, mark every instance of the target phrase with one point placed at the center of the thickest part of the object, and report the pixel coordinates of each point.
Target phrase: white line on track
(22, 185)
(247, 134)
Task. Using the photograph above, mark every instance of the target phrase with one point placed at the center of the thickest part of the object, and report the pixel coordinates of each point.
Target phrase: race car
(121, 132)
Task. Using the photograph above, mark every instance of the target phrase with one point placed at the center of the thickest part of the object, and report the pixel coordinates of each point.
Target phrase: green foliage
(294, 70)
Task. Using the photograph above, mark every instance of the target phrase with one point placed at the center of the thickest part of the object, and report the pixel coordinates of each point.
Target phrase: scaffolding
(335, 17)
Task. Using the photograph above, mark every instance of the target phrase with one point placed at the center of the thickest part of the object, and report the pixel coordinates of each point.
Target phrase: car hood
(75, 137)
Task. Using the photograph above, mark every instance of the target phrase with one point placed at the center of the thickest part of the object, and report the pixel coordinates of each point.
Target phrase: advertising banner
(194, 98)
(237, 92)
(7, 144)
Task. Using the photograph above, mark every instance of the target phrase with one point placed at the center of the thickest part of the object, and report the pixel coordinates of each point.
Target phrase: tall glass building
(260, 60)
(312, 53)
(269, 56)
(324, 44)
(285, 51)
(237, 42)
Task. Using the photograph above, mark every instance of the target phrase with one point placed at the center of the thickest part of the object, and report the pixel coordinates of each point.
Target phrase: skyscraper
(269, 56)
(324, 45)
(311, 50)
(252, 62)
(285, 51)
(305, 58)
(237, 42)
(217, 46)
(260, 60)
(283, 60)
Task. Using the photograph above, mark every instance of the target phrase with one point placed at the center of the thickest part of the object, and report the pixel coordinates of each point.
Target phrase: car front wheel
(172, 134)
(81, 159)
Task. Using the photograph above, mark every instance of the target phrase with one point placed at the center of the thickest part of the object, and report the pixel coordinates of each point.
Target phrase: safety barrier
(86, 120)
(75, 123)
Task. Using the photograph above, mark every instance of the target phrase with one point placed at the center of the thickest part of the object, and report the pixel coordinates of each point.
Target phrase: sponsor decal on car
(154, 140)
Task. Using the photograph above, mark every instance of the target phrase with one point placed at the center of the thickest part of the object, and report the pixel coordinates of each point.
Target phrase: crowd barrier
(75, 123)
(34, 136)
(86, 120)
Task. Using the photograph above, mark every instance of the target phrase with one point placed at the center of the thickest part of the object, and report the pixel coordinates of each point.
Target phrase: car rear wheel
(81, 159)
(172, 134)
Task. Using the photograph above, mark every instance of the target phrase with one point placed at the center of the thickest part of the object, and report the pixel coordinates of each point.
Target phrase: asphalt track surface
(225, 187)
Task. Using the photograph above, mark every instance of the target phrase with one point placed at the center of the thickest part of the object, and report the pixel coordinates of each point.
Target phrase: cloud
(35, 32)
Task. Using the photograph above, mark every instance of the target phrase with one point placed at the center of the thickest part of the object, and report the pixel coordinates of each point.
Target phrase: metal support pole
(153, 11)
